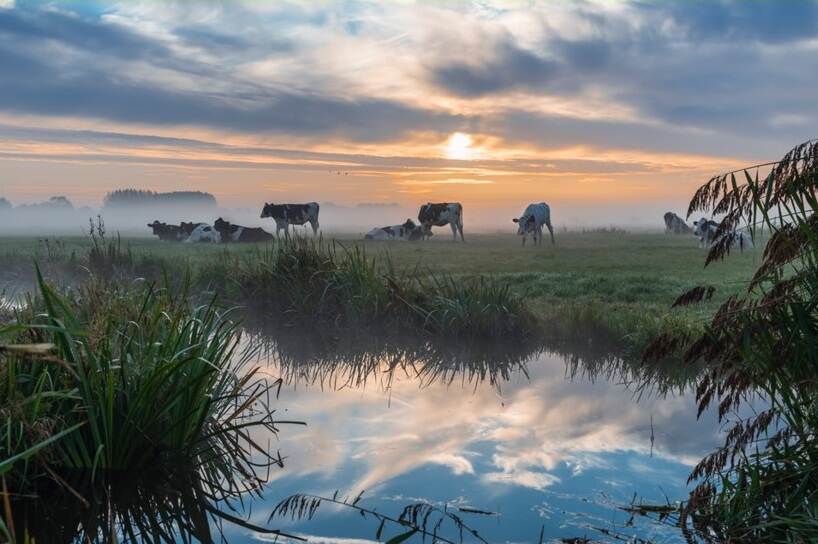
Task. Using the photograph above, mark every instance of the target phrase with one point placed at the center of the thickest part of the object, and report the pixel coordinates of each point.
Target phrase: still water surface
(540, 446)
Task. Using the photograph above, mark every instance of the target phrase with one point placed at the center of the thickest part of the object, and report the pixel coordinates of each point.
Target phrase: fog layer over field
(49, 219)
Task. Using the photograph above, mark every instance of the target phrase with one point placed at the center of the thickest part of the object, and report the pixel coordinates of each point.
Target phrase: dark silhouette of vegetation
(418, 519)
(134, 198)
(128, 411)
(762, 484)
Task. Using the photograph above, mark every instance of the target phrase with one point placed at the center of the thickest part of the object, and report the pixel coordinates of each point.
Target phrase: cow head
(267, 210)
(699, 226)
(187, 228)
(525, 226)
(157, 226)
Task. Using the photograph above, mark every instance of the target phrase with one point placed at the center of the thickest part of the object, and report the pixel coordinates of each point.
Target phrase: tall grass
(328, 285)
(128, 393)
(762, 485)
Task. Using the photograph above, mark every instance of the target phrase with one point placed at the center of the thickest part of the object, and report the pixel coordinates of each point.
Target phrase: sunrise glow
(253, 101)
(458, 147)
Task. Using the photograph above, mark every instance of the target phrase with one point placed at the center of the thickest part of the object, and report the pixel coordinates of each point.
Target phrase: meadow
(619, 281)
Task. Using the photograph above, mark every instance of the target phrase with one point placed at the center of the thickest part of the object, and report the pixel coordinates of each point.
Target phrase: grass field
(622, 281)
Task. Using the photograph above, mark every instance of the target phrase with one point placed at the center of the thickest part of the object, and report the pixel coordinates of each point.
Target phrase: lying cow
(707, 233)
(532, 221)
(168, 233)
(675, 224)
(236, 233)
(441, 214)
(292, 214)
(407, 231)
(199, 232)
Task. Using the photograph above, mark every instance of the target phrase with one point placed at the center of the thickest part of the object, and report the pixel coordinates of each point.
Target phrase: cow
(292, 214)
(532, 221)
(168, 233)
(199, 232)
(675, 224)
(236, 233)
(440, 214)
(707, 233)
(407, 231)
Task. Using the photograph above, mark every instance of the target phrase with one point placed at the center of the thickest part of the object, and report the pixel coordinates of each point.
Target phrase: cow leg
(454, 231)
(314, 227)
(524, 237)
(551, 231)
(460, 228)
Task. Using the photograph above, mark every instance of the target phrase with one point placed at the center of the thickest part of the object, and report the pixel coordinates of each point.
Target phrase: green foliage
(762, 485)
(303, 280)
(114, 382)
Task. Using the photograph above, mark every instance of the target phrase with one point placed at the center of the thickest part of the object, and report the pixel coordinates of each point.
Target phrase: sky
(590, 106)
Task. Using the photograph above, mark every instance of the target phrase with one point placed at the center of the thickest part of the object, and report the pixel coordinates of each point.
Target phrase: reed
(328, 285)
(762, 484)
(112, 388)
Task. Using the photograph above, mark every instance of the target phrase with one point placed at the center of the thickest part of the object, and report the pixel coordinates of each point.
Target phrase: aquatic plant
(762, 484)
(136, 408)
(421, 519)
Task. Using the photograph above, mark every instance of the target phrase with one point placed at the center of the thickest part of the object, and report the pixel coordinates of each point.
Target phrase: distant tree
(4, 204)
(140, 198)
(59, 202)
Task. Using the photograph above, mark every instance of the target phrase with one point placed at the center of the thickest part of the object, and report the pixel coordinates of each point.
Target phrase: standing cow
(532, 221)
(438, 215)
(675, 224)
(292, 214)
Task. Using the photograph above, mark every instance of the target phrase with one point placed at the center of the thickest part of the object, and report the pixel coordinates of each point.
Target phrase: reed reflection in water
(543, 438)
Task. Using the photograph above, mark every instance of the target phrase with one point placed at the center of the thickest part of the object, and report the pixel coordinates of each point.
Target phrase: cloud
(72, 67)
(727, 20)
(523, 478)
(511, 67)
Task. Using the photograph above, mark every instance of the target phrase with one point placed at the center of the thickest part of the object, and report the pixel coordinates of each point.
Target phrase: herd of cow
(706, 230)
(534, 218)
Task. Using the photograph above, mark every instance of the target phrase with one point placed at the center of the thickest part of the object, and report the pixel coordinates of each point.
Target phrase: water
(543, 444)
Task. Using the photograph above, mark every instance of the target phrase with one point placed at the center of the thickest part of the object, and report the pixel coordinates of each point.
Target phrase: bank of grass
(126, 411)
(621, 282)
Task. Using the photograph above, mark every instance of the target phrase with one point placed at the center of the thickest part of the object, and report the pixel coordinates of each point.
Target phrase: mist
(130, 216)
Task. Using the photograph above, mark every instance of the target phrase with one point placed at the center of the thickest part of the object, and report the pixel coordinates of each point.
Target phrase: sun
(458, 147)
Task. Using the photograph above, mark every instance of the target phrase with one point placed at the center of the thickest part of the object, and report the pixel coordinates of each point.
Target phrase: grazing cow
(707, 232)
(532, 221)
(168, 233)
(200, 232)
(236, 233)
(675, 224)
(407, 231)
(438, 215)
(292, 214)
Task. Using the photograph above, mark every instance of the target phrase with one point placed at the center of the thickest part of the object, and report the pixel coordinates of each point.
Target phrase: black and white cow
(675, 224)
(292, 214)
(706, 231)
(199, 232)
(440, 214)
(168, 233)
(407, 231)
(236, 233)
(532, 221)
